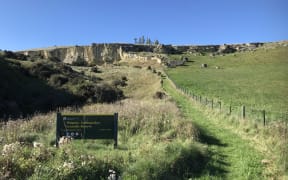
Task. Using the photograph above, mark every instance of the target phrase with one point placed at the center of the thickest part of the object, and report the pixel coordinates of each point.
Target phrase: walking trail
(230, 157)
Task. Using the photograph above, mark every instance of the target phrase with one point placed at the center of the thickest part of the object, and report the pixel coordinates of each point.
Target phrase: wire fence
(262, 116)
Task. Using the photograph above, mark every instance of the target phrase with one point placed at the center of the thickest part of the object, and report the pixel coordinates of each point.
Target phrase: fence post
(243, 112)
(220, 105)
(212, 103)
(230, 109)
(264, 118)
(200, 99)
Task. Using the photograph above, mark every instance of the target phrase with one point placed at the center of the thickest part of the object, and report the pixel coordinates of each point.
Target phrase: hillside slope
(257, 79)
(27, 87)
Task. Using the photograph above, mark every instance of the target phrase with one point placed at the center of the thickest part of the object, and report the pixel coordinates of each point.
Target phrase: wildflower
(68, 165)
(10, 148)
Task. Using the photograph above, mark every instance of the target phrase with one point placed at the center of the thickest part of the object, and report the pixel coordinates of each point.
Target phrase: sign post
(87, 126)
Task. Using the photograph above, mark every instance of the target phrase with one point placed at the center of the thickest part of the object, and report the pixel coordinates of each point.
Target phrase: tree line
(147, 40)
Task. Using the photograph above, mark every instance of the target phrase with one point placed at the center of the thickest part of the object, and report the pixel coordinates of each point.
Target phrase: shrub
(85, 90)
(58, 80)
(94, 69)
(79, 62)
(28, 138)
(16, 162)
(43, 70)
(138, 67)
(77, 80)
(159, 95)
(98, 93)
(124, 78)
(119, 82)
(105, 93)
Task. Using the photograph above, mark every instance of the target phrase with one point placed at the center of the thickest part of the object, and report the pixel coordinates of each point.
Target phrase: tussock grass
(155, 140)
(143, 129)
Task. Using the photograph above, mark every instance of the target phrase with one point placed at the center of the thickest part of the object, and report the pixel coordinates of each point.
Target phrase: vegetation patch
(45, 85)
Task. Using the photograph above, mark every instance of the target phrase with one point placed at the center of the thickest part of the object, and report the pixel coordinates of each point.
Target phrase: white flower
(68, 165)
(10, 148)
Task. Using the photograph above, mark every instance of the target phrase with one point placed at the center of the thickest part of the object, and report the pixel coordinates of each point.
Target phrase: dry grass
(141, 84)
(149, 128)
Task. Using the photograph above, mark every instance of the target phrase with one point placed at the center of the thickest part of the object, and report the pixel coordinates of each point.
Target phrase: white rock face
(96, 53)
(108, 53)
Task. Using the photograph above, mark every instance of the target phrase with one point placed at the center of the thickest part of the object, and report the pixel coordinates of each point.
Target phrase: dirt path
(230, 156)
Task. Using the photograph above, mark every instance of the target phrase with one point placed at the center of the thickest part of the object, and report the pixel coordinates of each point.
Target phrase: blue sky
(29, 24)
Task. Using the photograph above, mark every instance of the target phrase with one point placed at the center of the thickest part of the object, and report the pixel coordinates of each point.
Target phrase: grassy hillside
(155, 141)
(21, 93)
(27, 87)
(258, 79)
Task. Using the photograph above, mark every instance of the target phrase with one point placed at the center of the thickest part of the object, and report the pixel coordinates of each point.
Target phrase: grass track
(231, 156)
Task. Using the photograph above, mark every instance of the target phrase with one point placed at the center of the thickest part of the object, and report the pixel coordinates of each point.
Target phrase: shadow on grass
(22, 95)
(215, 163)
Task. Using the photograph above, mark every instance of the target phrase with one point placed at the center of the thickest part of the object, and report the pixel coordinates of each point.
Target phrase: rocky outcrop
(94, 54)
(109, 53)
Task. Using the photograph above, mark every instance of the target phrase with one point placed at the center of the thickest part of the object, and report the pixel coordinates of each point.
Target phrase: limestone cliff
(109, 53)
(94, 54)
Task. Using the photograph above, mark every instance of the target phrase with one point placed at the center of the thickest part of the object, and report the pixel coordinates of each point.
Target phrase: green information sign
(87, 126)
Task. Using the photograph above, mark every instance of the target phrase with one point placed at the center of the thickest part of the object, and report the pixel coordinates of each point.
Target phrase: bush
(124, 78)
(138, 67)
(12, 55)
(98, 93)
(94, 69)
(58, 80)
(119, 82)
(79, 62)
(17, 162)
(105, 93)
(28, 138)
(159, 95)
(43, 70)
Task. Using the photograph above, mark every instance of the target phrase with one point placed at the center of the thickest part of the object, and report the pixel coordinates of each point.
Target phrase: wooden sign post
(87, 126)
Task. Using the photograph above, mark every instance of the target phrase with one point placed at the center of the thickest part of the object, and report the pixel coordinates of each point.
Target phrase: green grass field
(258, 79)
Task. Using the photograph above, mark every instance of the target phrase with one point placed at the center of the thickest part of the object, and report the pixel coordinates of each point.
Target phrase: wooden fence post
(243, 112)
(220, 105)
(212, 103)
(264, 118)
(230, 109)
